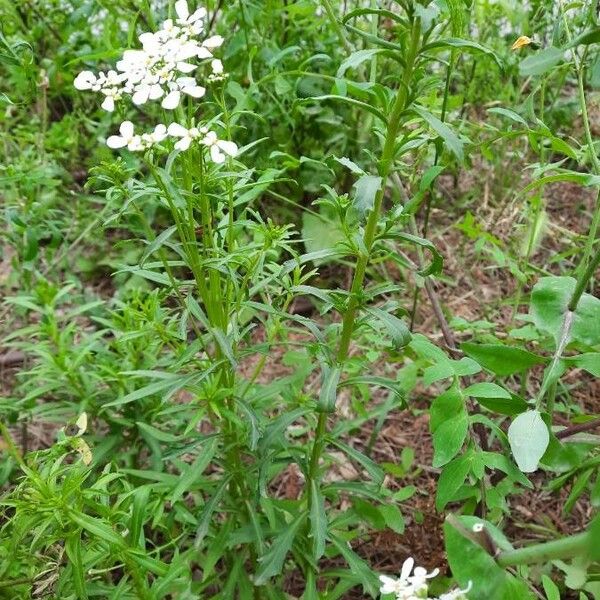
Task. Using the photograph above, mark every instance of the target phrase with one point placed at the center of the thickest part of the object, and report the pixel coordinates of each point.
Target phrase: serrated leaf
(369, 465)
(271, 564)
(346, 162)
(358, 566)
(394, 327)
(461, 44)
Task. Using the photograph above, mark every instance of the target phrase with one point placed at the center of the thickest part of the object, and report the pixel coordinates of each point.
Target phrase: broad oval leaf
(529, 437)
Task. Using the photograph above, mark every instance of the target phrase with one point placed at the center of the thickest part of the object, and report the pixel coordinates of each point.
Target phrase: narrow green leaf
(318, 521)
(452, 478)
(209, 509)
(500, 359)
(271, 564)
(466, 45)
(450, 138)
(329, 385)
(138, 514)
(395, 327)
(372, 468)
(97, 528)
(73, 550)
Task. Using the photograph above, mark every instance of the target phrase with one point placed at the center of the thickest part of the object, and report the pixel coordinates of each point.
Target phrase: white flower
(136, 143)
(193, 21)
(401, 585)
(187, 85)
(171, 100)
(219, 148)
(127, 138)
(187, 136)
(216, 41)
(419, 578)
(85, 80)
(157, 136)
(217, 67)
(112, 94)
(145, 92)
(161, 68)
(407, 586)
(457, 594)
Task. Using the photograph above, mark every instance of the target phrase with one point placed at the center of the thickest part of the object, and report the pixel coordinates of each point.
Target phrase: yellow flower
(521, 41)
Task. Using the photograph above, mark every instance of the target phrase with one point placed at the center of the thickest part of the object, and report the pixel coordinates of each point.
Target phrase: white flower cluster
(219, 149)
(160, 70)
(412, 585)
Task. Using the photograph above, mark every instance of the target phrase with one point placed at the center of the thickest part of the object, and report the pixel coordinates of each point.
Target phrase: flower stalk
(363, 259)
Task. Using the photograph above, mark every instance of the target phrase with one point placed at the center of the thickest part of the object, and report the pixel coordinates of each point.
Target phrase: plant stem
(385, 167)
(580, 70)
(349, 318)
(583, 280)
(568, 547)
(336, 26)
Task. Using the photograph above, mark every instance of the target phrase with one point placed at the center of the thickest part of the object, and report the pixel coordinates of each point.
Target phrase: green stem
(336, 26)
(349, 318)
(583, 280)
(429, 200)
(568, 547)
(580, 70)
(385, 167)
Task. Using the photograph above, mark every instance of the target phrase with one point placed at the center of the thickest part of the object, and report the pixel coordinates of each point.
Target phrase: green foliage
(218, 347)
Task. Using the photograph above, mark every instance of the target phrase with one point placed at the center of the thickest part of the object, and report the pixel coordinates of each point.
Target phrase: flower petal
(182, 10)
(228, 147)
(216, 155)
(116, 141)
(156, 92)
(177, 130)
(199, 14)
(84, 80)
(214, 41)
(407, 568)
(183, 143)
(203, 53)
(195, 91)
(108, 104)
(141, 95)
(171, 100)
(126, 129)
(388, 585)
(185, 67)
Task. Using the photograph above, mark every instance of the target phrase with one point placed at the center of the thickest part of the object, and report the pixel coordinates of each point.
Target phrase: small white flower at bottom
(457, 594)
